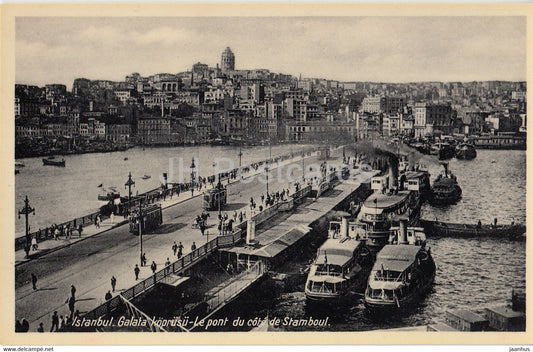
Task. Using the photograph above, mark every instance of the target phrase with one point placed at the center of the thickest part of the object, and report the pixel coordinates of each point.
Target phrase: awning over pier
(274, 248)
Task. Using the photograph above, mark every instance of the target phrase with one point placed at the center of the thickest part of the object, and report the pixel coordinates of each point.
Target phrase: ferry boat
(341, 266)
(445, 188)
(403, 272)
(417, 180)
(379, 211)
(465, 151)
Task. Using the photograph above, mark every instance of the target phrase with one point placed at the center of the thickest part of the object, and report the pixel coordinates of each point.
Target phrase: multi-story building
(392, 104)
(123, 95)
(119, 133)
(153, 130)
(433, 119)
(295, 108)
(17, 107)
(55, 91)
(29, 131)
(407, 125)
(189, 97)
(319, 131)
(156, 99)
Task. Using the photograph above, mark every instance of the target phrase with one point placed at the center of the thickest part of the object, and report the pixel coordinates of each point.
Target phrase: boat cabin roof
(337, 252)
(328, 278)
(396, 257)
(384, 201)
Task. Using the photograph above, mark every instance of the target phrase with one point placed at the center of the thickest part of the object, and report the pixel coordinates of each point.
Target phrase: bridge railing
(174, 268)
(231, 289)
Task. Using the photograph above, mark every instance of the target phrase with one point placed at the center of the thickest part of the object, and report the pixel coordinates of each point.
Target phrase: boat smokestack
(393, 176)
(344, 227)
(402, 236)
(250, 232)
(411, 161)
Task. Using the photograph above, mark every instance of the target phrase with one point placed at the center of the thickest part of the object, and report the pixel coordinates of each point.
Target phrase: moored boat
(438, 228)
(416, 180)
(403, 272)
(443, 150)
(465, 151)
(54, 162)
(445, 189)
(341, 266)
(109, 196)
(380, 211)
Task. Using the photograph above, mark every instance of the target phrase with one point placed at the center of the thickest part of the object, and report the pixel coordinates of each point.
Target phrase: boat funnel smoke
(393, 177)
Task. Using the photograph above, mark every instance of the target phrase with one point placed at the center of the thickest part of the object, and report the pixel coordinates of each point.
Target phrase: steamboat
(465, 151)
(403, 272)
(341, 266)
(379, 211)
(445, 188)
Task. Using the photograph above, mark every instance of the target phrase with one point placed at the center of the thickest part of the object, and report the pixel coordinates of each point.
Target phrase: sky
(379, 49)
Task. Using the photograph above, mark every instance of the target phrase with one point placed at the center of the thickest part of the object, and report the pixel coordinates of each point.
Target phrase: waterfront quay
(90, 264)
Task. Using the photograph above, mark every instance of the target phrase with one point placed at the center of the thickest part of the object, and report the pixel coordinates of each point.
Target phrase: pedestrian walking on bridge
(180, 250)
(137, 271)
(153, 267)
(73, 291)
(113, 282)
(34, 281)
(71, 301)
(174, 248)
(55, 322)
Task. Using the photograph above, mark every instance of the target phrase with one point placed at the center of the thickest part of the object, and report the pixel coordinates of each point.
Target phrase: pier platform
(270, 244)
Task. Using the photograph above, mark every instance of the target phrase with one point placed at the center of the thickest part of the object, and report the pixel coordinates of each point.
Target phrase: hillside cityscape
(223, 105)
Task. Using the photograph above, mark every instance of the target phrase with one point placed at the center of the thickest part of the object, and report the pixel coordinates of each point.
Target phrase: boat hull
(436, 228)
(404, 303)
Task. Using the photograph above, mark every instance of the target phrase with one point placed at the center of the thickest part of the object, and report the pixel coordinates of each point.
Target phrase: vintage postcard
(264, 174)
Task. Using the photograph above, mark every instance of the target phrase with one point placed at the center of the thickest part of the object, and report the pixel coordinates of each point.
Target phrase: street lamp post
(140, 222)
(27, 210)
(192, 176)
(128, 184)
(268, 161)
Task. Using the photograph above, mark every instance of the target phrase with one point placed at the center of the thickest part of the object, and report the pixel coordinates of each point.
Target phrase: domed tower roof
(227, 62)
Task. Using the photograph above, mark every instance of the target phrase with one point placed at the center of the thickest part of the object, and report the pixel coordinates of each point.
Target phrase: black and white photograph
(287, 173)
